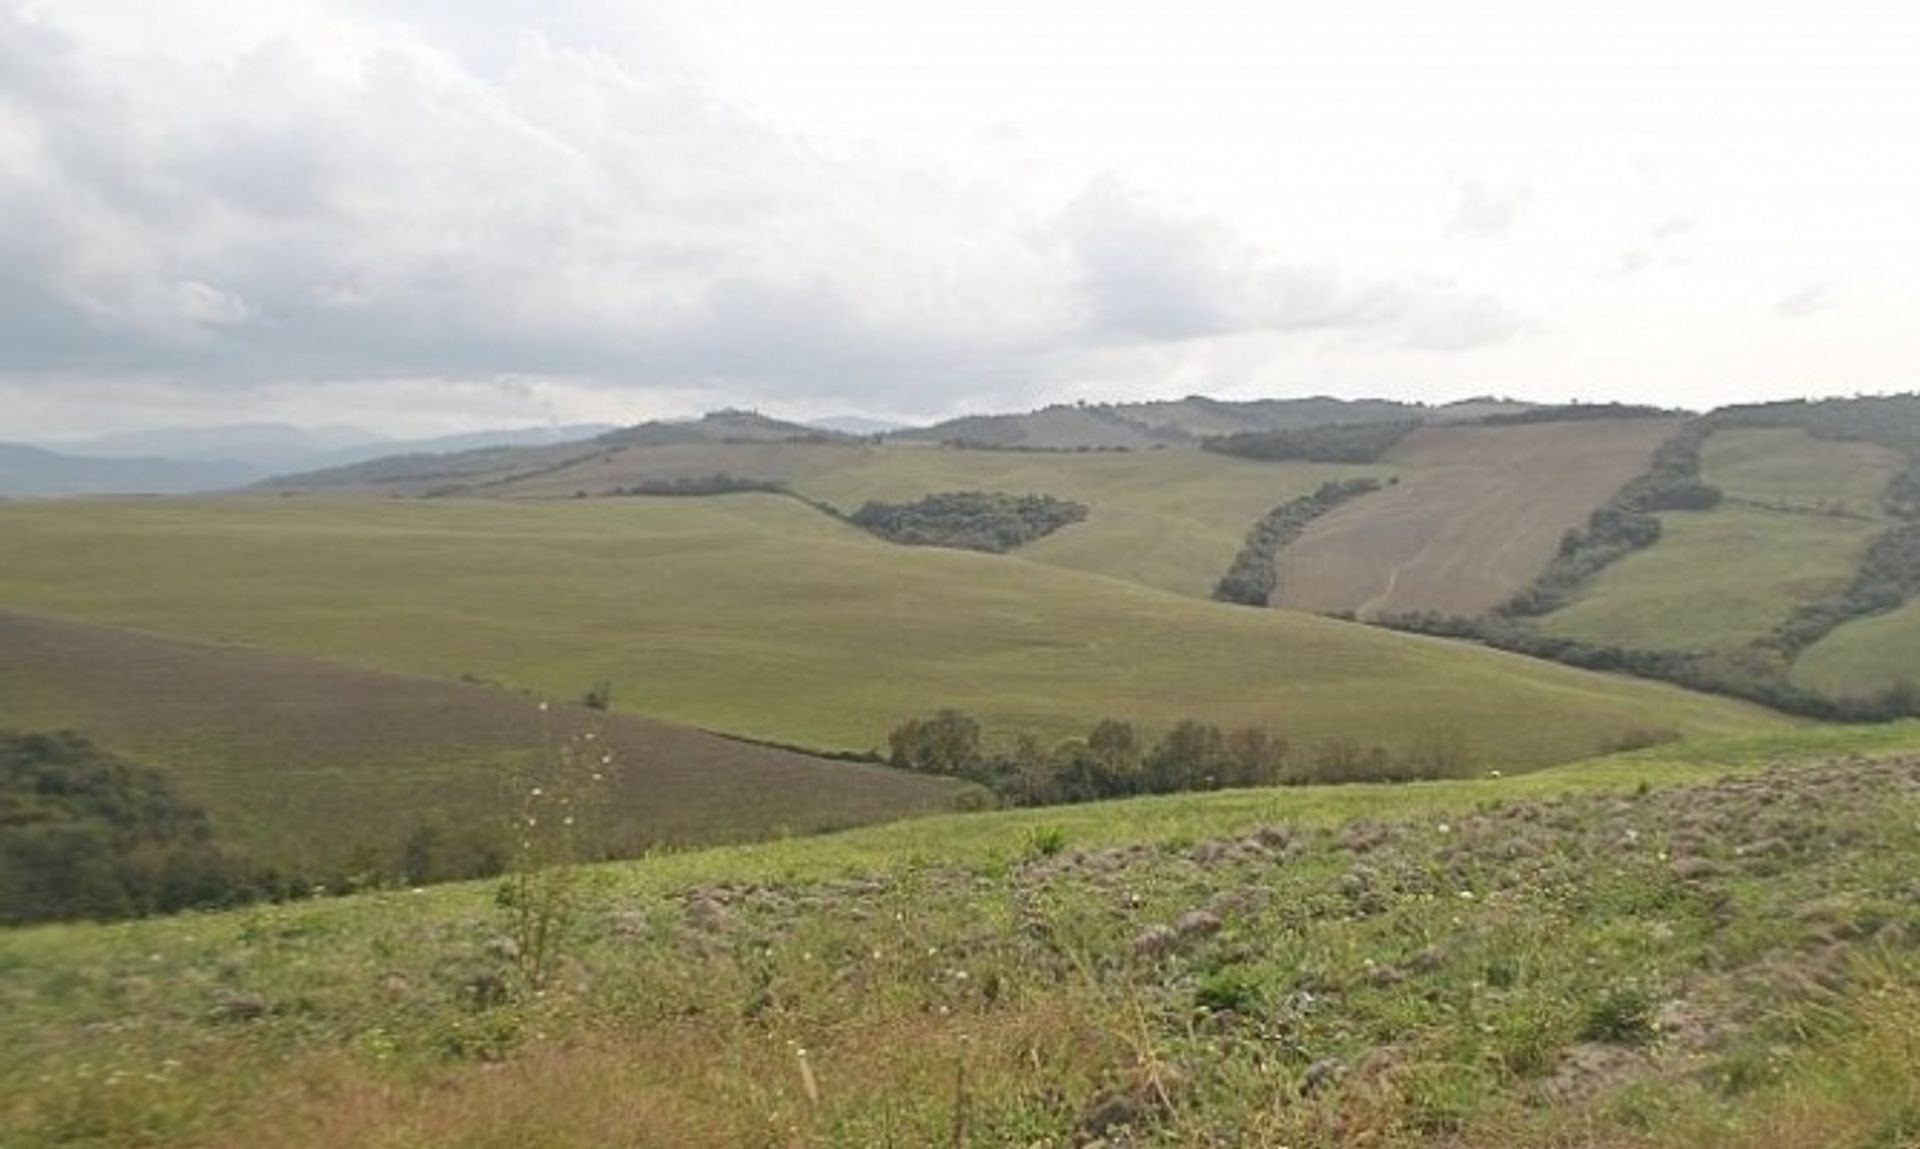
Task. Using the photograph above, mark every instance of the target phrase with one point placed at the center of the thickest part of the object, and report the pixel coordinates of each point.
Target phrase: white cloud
(821, 203)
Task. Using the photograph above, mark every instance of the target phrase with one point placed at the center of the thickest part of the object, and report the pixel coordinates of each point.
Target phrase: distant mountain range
(183, 460)
(188, 459)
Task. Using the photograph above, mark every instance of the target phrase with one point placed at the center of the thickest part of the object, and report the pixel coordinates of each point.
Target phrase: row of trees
(1625, 524)
(718, 483)
(1889, 575)
(1252, 577)
(1113, 761)
(1330, 443)
(1755, 674)
(1576, 413)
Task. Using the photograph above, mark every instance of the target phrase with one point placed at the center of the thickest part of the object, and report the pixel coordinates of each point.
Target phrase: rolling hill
(1719, 936)
(755, 615)
(1798, 512)
(1478, 513)
(314, 766)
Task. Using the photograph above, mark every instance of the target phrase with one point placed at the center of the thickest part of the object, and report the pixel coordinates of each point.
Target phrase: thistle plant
(559, 801)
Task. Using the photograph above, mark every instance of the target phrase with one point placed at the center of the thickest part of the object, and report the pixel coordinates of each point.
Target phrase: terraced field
(308, 764)
(756, 615)
(1798, 514)
(1478, 513)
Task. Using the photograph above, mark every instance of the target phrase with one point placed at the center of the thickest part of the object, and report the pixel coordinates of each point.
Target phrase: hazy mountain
(272, 446)
(36, 472)
(450, 444)
(858, 425)
(730, 426)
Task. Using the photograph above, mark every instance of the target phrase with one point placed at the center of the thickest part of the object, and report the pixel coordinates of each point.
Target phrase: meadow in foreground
(1695, 946)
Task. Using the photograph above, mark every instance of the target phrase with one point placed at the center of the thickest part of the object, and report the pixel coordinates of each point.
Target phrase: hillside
(1182, 422)
(1698, 948)
(1065, 427)
(755, 615)
(489, 470)
(1168, 519)
(1478, 513)
(317, 767)
(35, 472)
(1798, 513)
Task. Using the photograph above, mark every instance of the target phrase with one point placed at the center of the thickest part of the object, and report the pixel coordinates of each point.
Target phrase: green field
(1792, 468)
(1798, 514)
(1864, 656)
(1171, 519)
(1708, 946)
(1716, 580)
(756, 615)
(1168, 519)
(318, 768)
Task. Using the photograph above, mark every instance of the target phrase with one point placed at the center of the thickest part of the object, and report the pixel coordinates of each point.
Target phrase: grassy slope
(1171, 519)
(757, 616)
(1477, 515)
(1865, 656)
(1716, 580)
(1719, 579)
(1794, 468)
(771, 995)
(305, 763)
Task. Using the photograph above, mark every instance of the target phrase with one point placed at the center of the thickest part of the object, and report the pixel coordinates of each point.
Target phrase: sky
(437, 215)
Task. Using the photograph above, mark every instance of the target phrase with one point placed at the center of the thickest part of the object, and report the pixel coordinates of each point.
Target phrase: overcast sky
(446, 214)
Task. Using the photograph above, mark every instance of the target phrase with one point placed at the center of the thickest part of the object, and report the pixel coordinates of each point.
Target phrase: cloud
(1485, 211)
(367, 202)
(1147, 273)
(1809, 300)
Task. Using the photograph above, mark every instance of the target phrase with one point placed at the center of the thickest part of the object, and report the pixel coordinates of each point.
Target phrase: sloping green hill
(319, 767)
(1697, 948)
(755, 615)
(1864, 656)
(1798, 513)
(1170, 519)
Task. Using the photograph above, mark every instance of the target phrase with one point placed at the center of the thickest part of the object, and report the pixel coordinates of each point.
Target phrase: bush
(86, 835)
(969, 520)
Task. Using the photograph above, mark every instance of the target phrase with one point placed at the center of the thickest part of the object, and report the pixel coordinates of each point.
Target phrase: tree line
(1114, 761)
(84, 834)
(1330, 443)
(1253, 576)
(1755, 674)
(1624, 524)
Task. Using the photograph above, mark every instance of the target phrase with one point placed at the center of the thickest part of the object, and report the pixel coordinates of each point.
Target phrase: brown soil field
(1478, 513)
(304, 762)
